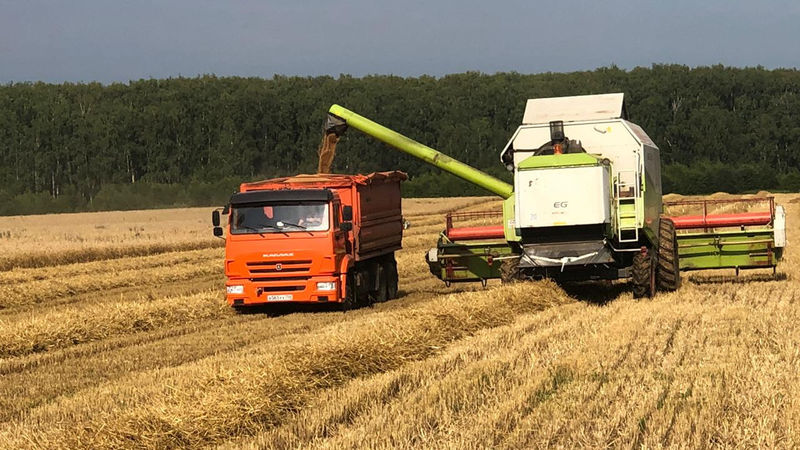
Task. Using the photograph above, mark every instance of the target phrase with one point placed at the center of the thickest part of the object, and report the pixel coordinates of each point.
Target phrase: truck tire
(390, 269)
(382, 294)
(644, 275)
(668, 272)
(350, 296)
(509, 270)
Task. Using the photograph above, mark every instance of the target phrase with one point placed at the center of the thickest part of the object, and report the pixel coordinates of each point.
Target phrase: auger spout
(339, 118)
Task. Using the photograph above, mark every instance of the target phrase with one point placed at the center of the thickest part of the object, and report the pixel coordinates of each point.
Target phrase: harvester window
(567, 146)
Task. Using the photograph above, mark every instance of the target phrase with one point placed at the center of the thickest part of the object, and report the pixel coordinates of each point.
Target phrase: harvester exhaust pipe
(340, 118)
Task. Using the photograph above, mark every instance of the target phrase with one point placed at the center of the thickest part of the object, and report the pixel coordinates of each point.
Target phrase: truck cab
(313, 239)
(284, 245)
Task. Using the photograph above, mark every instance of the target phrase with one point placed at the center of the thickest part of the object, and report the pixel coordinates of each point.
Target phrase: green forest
(190, 141)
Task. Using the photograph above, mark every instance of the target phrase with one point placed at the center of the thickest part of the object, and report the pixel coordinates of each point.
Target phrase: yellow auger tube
(423, 152)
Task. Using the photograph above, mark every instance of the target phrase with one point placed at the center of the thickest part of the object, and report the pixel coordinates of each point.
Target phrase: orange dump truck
(314, 239)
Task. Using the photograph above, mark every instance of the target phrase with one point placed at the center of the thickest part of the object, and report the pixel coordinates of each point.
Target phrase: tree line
(190, 141)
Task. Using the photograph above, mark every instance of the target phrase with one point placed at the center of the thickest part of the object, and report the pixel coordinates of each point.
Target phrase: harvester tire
(509, 270)
(668, 272)
(644, 275)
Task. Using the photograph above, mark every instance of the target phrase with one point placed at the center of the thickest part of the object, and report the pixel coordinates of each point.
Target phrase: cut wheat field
(114, 334)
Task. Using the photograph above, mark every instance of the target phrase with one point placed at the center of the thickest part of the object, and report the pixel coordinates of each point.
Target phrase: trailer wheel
(509, 270)
(668, 272)
(644, 275)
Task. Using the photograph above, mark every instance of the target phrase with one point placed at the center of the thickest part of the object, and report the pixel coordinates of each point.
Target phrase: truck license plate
(279, 298)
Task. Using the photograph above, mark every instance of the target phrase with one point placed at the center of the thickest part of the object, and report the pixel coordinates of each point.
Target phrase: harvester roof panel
(575, 108)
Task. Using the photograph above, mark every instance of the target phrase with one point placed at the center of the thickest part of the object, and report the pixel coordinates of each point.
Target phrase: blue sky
(116, 40)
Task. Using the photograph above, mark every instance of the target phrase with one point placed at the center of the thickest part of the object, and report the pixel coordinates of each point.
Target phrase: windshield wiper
(260, 227)
(293, 225)
(298, 226)
(274, 227)
(248, 227)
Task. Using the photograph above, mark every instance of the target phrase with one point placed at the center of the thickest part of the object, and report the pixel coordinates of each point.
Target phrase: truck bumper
(244, 292)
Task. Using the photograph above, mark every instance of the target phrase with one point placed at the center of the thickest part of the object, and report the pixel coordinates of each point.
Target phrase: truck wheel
(349, 300)
(644, 275)
(390, 269)
(509, 270)
(668, 272)
(382, 294)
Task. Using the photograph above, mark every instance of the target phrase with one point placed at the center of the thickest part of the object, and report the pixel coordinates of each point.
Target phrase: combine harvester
(585, 204)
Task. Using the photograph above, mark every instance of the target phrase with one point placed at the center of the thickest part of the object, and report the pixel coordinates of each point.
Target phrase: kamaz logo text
(560, 205)
(276, 255)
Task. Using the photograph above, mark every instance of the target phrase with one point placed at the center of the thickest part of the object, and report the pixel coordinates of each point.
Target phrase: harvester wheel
(644, 275)
(509, 270)
(668, 272)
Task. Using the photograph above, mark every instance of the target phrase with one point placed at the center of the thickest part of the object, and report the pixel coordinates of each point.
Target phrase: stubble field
(114, 333)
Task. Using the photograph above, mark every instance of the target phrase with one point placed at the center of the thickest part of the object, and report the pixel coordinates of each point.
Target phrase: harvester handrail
(474, 214)
(451, 217)
(771, 199)
(705, 203)
(708, 220)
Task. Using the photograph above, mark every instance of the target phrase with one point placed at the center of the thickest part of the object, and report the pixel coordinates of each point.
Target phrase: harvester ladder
(627, 198)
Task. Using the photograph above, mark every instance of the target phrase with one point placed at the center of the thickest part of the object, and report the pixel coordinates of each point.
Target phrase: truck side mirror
(215, 218)
(218, 232)
(346, 226)
(347, 213)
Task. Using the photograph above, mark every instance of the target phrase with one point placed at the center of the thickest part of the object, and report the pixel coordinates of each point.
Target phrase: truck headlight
(236, 289)
(326, 286)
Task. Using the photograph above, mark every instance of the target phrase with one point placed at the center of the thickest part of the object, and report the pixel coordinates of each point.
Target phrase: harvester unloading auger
(585, 204)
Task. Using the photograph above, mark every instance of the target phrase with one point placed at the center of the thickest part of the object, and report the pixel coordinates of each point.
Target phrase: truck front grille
(262, 279)
(280, 284)
(279, 267)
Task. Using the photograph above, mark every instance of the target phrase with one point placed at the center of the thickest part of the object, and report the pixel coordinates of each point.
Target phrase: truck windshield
(279, 218)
